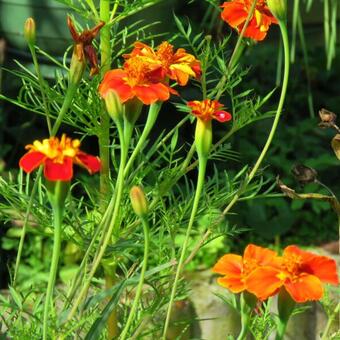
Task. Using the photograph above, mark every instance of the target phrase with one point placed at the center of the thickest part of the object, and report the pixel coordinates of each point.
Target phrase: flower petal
(149, 94)
(305, 288)
(235, 284)
(234, 13)
(263, 282)
(89, 162)
(31, 161)
(222, 116)
(263, 256)
(229, 264)
(58, 171)
(322, 267)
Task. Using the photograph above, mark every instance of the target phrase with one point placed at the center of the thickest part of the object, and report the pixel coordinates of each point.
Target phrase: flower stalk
(203, 138)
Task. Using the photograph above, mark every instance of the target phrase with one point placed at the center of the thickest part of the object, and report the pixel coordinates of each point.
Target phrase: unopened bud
(29, 31)
(77, 67)
(138, 201)
(113, 104)
(278, 9)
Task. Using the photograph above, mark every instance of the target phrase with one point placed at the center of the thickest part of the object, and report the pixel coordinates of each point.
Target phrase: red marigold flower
(58, 157)
(236, 268)
(136, 80)
(209, 109)
(301, 273)
(235, 13)
(177, 65)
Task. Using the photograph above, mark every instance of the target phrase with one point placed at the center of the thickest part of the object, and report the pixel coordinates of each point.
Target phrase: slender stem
(236, 53)
(113, 222)
(71, 90)
(92, 7)
(329, 322)
(124, 333)
(112, 321)
(276, 119)
(24, 228)
(280, 330)
(104, 133)
(58, 216)
(200, 182)
(150, 122)
(42, 87)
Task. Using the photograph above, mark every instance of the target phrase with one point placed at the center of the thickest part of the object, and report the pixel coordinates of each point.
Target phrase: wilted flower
(235, 13)
(328, 118)
(304, 174)
(57, 157)
(209, 109)
(83, 48)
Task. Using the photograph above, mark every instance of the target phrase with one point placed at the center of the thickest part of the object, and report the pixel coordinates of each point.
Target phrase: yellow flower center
(137, 69)
(56, 149)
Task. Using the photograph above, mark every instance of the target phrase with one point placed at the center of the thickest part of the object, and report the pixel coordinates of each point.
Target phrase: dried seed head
(328, 118)
(304, 174)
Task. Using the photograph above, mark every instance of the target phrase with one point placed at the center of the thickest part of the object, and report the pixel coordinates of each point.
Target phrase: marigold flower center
(56, 149)
(165, 53)
(137, 71)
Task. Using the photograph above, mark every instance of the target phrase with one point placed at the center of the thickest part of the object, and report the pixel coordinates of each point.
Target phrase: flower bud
(278, 9)
(138, 201)
(77, 67)
(29, 31)
(203, 137)
(113, 104)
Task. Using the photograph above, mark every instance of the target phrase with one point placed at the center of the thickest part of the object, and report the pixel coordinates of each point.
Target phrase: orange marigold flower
(235, 13)
(135, 80)
(177, 65)
(58, 157)
(236, 268)
(301, 273)
(209, 109)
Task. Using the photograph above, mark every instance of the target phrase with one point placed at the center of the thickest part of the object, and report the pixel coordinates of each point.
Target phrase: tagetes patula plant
(235, 13)
(57, 157)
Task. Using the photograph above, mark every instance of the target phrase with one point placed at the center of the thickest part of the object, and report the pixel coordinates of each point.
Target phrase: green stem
(104, 133)
(113, 221)
(150, 122)
(276, 119)
(42, 87)
(236, 53)
(24, 228)
(58, 216)
(112, 321)
(280, 330)
(71, 90)
(200, 182)
(330, 319)
(124, 333)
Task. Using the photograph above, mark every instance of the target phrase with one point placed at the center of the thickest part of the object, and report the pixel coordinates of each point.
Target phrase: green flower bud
(203, 137)
(138, 201)
(77, 66)
(278, 9)
(30, 31)
(113, 104)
